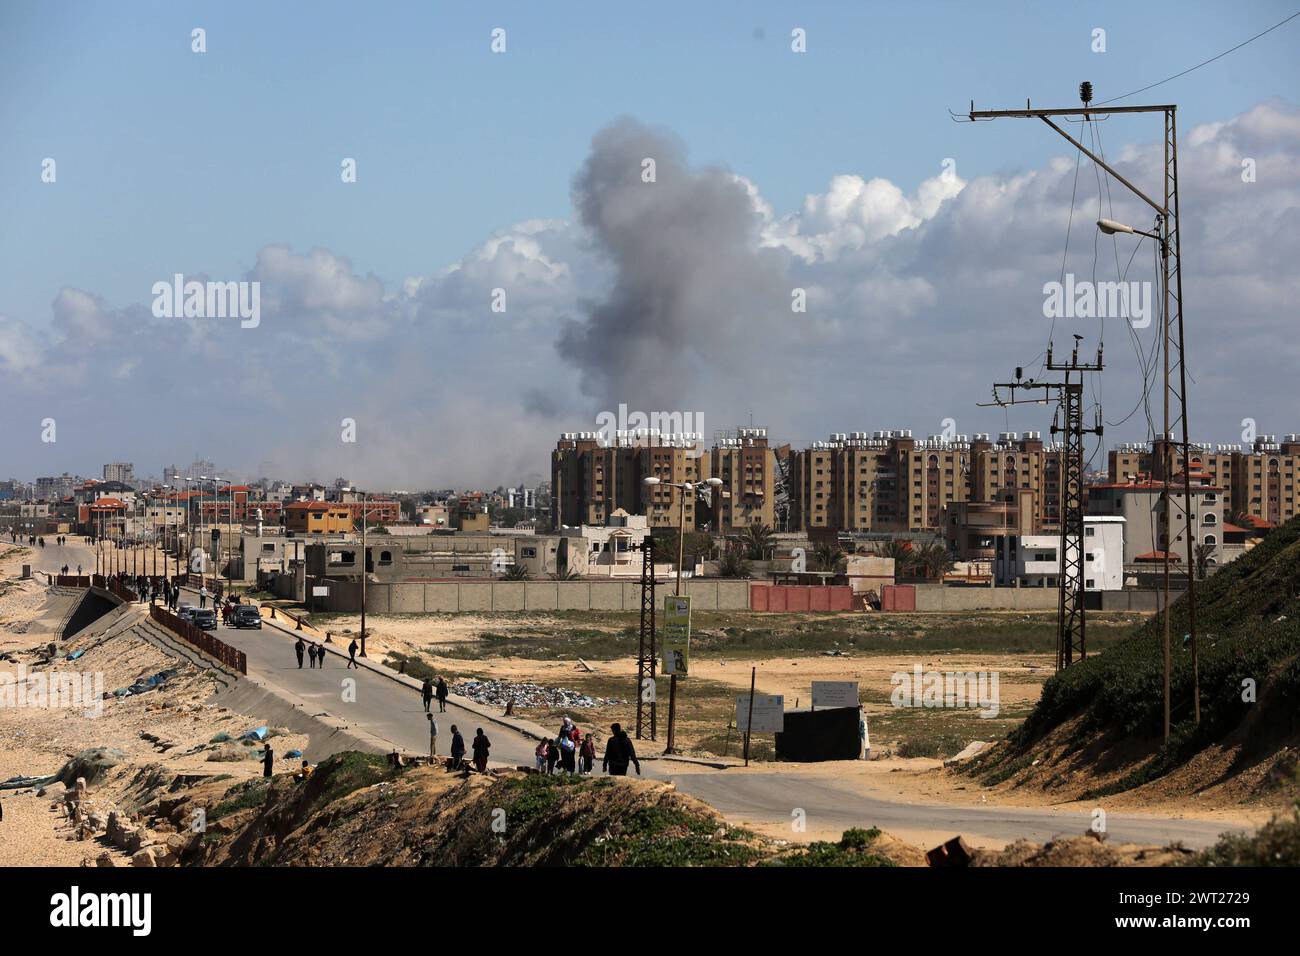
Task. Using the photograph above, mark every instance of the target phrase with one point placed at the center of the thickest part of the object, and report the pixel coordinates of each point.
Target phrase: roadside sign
(320, 592)
(769, 713)
(677, 635)
(834, 693)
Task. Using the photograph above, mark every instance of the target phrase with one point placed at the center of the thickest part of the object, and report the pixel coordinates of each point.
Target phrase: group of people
(480, 747)
(428, 692)
(574, 753)
(314, 652)
(569, 750)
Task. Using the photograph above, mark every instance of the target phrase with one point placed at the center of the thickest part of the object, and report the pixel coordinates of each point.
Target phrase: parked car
(205, 618)
(186, 612)
(245, 615)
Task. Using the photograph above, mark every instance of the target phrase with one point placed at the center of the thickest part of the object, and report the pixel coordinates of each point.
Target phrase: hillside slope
(1097, 728)
(356, 810)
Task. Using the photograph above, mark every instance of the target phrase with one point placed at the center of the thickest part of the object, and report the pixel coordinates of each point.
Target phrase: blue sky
(170, 160)
(227, 163)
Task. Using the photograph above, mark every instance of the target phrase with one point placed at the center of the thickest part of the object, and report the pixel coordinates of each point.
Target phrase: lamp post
(177, 540)
(684, 488)
(1110, 227)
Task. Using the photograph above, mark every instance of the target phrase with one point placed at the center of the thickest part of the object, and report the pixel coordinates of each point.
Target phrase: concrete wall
(484, 597)
(936, 597)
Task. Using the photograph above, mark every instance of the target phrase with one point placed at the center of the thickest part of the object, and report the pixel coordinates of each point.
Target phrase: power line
(1203, 63)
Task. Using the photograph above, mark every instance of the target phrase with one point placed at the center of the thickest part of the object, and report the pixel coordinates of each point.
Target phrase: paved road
(396, 713)
(771, 798)
(382, 706)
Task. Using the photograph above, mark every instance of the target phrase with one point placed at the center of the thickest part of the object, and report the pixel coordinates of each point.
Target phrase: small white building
(1034, 561)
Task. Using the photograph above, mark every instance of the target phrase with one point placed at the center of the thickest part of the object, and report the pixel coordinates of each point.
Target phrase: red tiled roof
(1156, 556)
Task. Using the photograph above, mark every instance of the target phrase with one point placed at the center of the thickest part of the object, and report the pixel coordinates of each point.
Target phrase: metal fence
(201, 639)
(72, 580)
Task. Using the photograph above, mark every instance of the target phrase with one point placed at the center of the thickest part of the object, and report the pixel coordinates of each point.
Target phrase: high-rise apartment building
(122, 471)
(1259, 480)
(747, 468)
(591, 479)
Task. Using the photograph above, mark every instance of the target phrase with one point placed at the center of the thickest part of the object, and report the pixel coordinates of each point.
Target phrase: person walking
(540, 754)
(481, 746)
(298, 649)
(442, 696)
(568, 752)
(311, 654)
(352, 654)
(268, 760)
(587, 755)
(619, 752)
(426, 693)
(433, 737)
(320, 656)
(203, 596)
(552, 756)
(457, 748)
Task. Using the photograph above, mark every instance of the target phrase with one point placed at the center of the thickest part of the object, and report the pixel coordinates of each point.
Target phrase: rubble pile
(499, 693)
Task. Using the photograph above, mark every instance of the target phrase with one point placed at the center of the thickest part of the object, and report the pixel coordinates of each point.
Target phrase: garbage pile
(499, 693)
(143, 685)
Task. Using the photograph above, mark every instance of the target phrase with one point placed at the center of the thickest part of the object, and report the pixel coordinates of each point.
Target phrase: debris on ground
(499, 693)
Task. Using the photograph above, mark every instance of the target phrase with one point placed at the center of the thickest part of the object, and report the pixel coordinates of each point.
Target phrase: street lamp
(1110, 227)
(685, 488)
(177, 541)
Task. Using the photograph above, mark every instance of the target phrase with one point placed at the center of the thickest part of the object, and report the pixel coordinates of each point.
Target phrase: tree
(827, 557)
(758, 542)
(733, 564)
(516, 572)
(568, 574)
(1238, 517)
(934, 560)
(901, 551)
(1203, 553)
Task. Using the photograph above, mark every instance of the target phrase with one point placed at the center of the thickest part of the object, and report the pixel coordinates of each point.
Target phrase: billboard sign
(834, 693)
(769, 713)
(677, 635)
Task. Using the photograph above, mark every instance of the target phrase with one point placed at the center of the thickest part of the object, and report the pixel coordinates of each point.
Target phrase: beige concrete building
(747, 467)
(1260, 481)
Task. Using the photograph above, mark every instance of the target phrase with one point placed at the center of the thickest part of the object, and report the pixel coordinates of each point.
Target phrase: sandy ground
(417, 632)
(37, 741)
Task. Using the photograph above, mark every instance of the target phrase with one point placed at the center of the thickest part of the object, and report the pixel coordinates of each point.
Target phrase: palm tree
(901, 551)
(758, 542)
(1203, 554)
(1238, 517)
(827, 557)
(568, 574)
(733, 565)
(516, 572)
(935, 560)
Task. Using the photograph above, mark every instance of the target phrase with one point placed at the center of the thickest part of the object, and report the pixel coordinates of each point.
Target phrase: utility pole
(1071, 617)
(1167, 234)
(645, 658)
